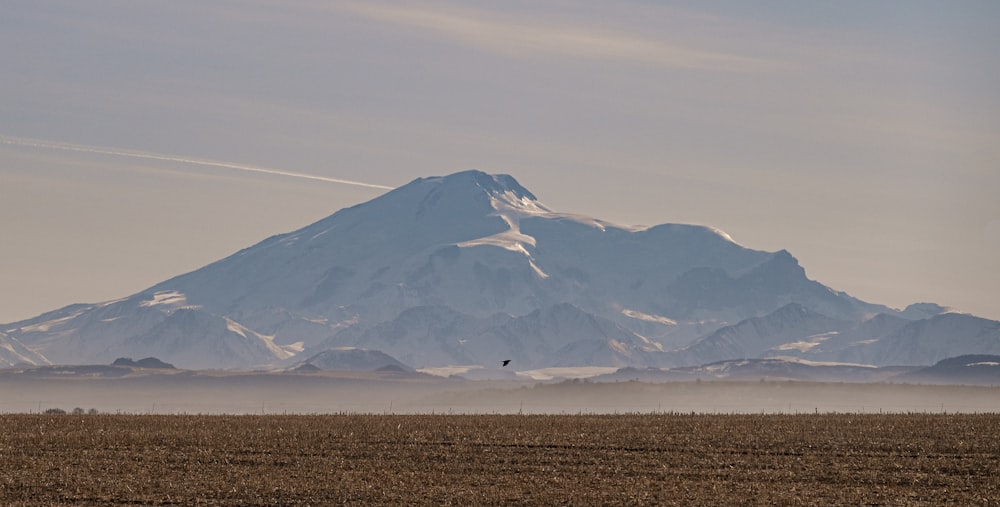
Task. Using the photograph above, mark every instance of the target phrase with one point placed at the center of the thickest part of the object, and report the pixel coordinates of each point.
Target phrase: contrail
(55, 145)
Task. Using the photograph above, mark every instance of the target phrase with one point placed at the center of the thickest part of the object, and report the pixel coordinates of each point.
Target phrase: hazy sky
(863, 137)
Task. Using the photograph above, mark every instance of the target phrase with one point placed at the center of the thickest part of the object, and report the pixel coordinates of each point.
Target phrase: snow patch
(799, 360)
(651, 345)
(807, 344)
(320, 234)
(109, 303)
(658, 319)
(236, 328)
(618, 347)
(447, 371)
(510, 209)
(511, 239)
(44, 327)
(725, 366)
(167, 297)
(538, 271)
(278, 351)
(722, 234)
(570, 372)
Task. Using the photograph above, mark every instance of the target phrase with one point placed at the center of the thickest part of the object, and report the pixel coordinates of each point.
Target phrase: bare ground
(665, 459)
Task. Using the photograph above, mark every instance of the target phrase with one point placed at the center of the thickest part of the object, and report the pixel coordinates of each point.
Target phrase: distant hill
(760, 369)
(149, 362)
(351, 359)
(975, 369)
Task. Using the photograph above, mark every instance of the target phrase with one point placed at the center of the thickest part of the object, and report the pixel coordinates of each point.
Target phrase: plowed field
(666, 459)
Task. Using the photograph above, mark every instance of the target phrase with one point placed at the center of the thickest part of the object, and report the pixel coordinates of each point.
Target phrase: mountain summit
(459, 269)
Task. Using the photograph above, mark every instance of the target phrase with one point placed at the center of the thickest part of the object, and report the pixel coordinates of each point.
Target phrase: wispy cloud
(118, 152)
(518, 37)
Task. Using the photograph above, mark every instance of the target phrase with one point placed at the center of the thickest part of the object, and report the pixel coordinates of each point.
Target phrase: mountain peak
(454, 197)
(473, 190)
(918, 311)
(426, 212)
(492, 184)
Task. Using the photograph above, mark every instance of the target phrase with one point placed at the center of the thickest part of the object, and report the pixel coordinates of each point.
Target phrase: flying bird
(505, 362)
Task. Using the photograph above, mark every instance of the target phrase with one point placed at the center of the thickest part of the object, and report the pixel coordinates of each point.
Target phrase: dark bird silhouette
(505, 362)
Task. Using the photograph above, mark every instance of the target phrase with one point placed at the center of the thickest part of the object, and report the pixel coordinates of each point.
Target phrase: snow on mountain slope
(928, 341)
(919, 311)
(883, 340)
(477, 245)
(14, 353)
(831, 346)
(559, 335)
(564, 335)
(419, 336)
(790, 325)
(191, 338)
(482, 244)
(161, 324)
(83, 333)
(371, 260)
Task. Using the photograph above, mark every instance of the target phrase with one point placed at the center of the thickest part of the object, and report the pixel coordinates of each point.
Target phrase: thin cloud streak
(507, 36)
(101, 150)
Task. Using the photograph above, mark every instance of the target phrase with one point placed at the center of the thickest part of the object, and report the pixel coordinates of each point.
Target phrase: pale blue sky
(861, 136)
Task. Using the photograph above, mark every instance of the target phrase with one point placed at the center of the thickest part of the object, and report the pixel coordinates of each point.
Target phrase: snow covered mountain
(754, 337)
(160, 324)
(559, 335)
(927, 341)
(456, 269)
(883, 340)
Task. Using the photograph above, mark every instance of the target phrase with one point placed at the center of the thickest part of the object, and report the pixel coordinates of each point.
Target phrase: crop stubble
(667, 459)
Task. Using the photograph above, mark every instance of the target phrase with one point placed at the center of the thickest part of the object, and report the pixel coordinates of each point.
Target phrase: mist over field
(377, 393)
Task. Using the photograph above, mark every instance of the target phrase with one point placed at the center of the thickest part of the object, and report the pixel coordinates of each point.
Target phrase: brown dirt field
(668, 459)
